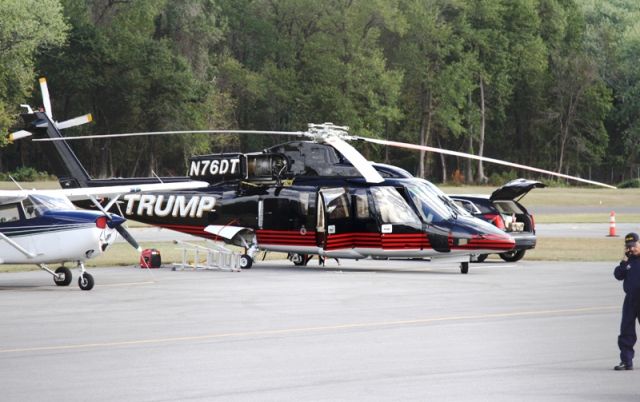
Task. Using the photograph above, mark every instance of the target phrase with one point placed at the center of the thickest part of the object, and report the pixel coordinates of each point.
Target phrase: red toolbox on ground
(150, 258)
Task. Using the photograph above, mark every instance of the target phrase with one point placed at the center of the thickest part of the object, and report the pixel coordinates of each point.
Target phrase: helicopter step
(216, 257)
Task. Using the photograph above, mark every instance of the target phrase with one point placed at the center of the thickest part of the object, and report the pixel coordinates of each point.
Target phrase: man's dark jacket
(629, 272)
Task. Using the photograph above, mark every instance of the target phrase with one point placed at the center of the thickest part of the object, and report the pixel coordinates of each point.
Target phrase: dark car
(503, 209)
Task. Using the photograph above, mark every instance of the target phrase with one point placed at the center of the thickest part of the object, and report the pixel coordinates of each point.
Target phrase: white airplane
(44, 227)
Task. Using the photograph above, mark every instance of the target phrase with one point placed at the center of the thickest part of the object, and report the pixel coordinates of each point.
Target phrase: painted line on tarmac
(108, 285)
(286, 331)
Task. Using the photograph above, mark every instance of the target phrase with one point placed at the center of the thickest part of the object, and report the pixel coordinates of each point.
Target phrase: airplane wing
(85, 193)
(10, 198)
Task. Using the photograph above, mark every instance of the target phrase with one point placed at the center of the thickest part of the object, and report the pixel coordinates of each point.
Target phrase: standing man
(629, 272)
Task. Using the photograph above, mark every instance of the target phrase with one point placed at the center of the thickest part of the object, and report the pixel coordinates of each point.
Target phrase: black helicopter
(305, 198)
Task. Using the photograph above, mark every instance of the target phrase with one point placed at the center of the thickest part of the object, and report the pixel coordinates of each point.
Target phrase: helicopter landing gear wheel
(480, 258)
(300, 260)
(85, 281)
(245, 261)
(513, 255)
(464, 267)
(62, 277)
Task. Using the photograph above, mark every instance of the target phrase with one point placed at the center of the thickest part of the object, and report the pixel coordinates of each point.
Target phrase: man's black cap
(630, 239)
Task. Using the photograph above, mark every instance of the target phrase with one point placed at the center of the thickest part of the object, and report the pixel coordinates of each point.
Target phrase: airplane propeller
(116, 222)
(127, 236)
(337, 136)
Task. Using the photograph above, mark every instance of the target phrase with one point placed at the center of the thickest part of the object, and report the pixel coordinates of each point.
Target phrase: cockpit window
(44, 203)
(433, 204)
(456, 209)
(392, 207)
(29, 209)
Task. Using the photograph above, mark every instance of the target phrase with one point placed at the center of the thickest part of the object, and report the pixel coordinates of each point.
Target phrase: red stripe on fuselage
(196, 230)
(387, 241)
(286, 237)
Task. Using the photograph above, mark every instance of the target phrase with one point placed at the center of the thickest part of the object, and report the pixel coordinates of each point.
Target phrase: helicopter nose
(486, 237)
(498, 242)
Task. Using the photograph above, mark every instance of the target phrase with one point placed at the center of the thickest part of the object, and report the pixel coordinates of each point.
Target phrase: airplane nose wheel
(85, 281)
(464, 267)
(245, 261)
(62, 276)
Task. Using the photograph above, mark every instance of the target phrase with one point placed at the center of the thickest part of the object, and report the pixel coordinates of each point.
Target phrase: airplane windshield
(44, 203)
(431, 202)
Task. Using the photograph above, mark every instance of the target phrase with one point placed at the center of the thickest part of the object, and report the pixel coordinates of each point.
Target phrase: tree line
(549, 83)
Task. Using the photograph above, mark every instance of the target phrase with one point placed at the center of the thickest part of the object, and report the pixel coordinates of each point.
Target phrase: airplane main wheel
(85, 281)
(513, 255)
(66, 276)
(245, 261)
(464, 267)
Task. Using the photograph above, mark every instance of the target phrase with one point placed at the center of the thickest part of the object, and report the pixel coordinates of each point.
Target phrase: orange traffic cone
(612, 224)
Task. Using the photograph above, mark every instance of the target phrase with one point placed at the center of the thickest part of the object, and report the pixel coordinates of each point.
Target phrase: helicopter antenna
(156, 176)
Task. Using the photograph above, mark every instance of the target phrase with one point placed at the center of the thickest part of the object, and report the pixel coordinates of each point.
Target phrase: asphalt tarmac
(364, 330)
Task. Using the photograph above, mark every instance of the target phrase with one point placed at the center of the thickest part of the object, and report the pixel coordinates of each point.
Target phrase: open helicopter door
(401, 229)
(334, 225)
(367, 237)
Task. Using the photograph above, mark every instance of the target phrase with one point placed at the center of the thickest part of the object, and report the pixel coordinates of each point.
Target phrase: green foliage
(632, 183)
(499, 179)
(27, 28)
(555, 84)
(25, 174)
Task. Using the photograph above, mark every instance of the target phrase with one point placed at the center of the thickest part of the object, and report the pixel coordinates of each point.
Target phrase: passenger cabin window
(336, 203)
(392, 207)
(304, 203)
(9, 213)
(362, 206)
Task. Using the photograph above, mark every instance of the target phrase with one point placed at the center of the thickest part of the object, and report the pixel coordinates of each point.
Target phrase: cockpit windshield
(434, 205)
(392, 207)
(456, 209)
(42, 203)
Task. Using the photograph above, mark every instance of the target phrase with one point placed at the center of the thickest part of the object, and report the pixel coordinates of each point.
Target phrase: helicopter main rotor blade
(357, 160)
(150, 133)
(336, 136)
(46, 101)
(480, 158)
